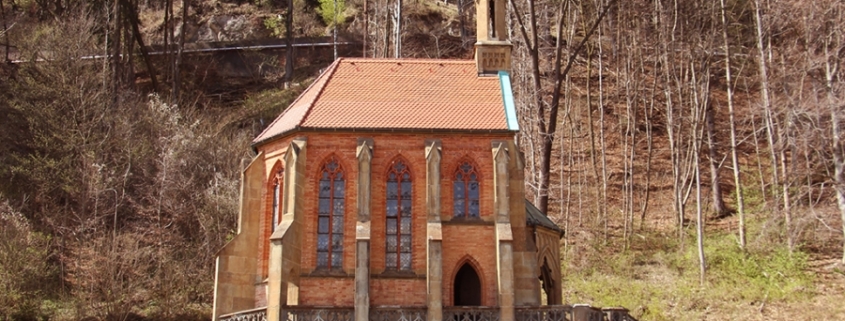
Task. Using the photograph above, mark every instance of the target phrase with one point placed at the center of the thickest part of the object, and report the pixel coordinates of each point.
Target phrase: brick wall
(461, 242)
(267, 219)
(261, 294)
(476, 245)
(397, 292)
(327, 291)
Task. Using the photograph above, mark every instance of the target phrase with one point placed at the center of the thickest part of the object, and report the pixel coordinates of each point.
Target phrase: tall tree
(397, 29)
(547, 125)
(289, 41)
(834, 48)
(713, 161)
(740, 201)
(769, 116)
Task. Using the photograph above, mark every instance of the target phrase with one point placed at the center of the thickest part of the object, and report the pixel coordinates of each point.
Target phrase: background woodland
(693, 150)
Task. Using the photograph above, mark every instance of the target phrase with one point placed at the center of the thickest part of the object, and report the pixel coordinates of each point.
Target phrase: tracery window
(277, 200)
(466, 191)
(330, 216)
(491, 5)
(274, 212)
(398, 235)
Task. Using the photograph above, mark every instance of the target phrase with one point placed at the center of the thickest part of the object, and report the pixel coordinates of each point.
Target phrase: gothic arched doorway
(467, 286)
(547, 283)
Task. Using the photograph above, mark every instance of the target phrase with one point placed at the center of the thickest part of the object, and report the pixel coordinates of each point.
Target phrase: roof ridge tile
(397, 94)
(290, 106)
(328, 74)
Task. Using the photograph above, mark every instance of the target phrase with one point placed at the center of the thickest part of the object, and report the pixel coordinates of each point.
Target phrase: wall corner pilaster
(434, 238)
(364, 153)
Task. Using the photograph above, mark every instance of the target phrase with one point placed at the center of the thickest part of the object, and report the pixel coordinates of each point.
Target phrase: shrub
(327, 11)
(25, 273)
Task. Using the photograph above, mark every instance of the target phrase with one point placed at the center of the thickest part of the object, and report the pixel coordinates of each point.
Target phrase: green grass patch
(660, 284)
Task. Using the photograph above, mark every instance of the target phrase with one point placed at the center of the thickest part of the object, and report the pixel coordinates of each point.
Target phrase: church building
(393, 186)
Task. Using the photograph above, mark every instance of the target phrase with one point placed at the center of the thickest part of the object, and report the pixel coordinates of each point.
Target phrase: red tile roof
(406, 94)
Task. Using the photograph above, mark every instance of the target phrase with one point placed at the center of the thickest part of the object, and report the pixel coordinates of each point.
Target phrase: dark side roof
(534, 217)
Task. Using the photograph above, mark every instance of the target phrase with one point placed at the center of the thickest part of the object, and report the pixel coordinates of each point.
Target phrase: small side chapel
(393, 185)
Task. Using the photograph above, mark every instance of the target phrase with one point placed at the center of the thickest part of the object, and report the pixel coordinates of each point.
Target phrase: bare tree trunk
(667, 57)
(677, 182)
(462, 23)
(177, 65)
(334, 29)
(547, 129)
(593, 149)
(366, 25)
(764, 93)
(763, 190)
(397, 30)
(168, 38)
(699, 219)
(627, 164)
(289, 40)
(650, 141)
(106, 55)
(116, 47)
(5, 32)
(715, 189)
(376, 34)
(740, 201)
(838, 148)
(385, 51)
(787, 204)
(132, 14)
(129, 54)
(696, 142)
(602, 144)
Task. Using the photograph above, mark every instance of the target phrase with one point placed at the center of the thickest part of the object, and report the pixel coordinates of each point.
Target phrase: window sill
(468, 221)
(328, 273)
(396, 274)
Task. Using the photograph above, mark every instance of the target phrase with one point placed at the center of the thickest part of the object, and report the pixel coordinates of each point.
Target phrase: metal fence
(399, 313)
(470, 313)
(259, 314)
(303, 313)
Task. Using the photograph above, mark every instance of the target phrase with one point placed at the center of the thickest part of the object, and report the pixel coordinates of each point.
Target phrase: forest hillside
(692, 150)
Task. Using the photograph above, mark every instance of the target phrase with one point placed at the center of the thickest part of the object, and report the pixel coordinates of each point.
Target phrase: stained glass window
(398, 227)
(277, 200)
(275, 217)
(466, 191)
(330, 216)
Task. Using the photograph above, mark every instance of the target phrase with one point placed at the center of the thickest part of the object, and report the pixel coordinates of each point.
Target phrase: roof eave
(299, 129)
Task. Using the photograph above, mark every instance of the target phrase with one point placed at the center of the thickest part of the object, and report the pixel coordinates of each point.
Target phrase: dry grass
(658, 282)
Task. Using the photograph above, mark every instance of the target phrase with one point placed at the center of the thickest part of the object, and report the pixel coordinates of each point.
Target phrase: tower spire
(492, 47)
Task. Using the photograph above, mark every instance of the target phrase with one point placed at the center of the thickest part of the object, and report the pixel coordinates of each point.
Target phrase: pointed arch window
(398, 228)
(276, 210)
(273, 213)
(330, 216)
(466, 191)
(491, 5)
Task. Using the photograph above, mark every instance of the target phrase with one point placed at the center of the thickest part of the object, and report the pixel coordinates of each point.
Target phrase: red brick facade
(470, 241)
(364, 115)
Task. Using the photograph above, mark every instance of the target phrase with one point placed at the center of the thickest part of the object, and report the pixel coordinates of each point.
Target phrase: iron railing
(306, 313)
(544, 313)
(478, 313)
(258, 314)
(617, 314)
(398, 313)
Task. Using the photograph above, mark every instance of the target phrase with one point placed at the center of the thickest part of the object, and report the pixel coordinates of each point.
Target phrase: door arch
(546, 284)
(467, 286)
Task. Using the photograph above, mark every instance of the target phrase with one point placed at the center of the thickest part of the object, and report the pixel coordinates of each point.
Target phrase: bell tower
(492, 47)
